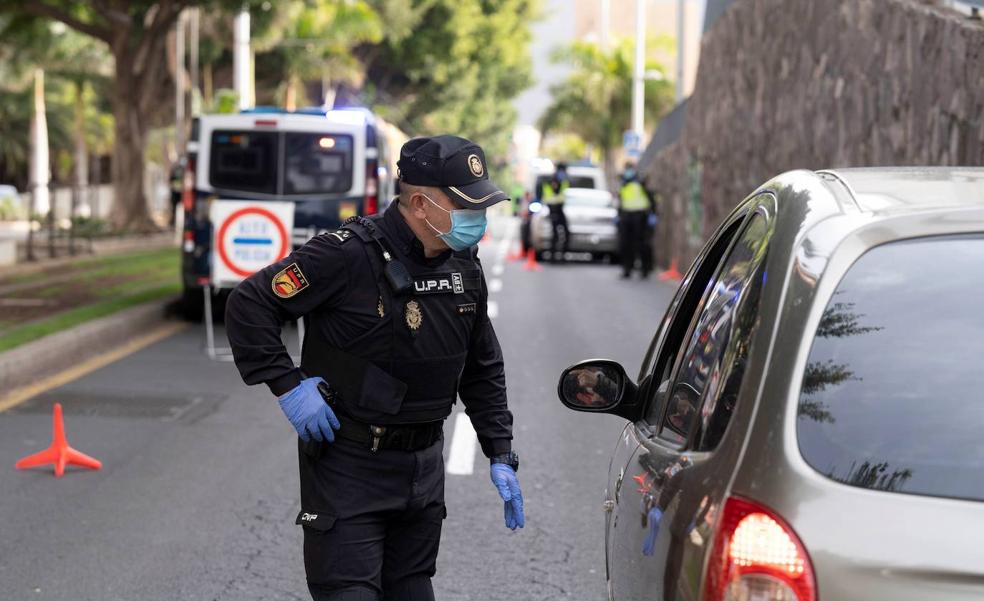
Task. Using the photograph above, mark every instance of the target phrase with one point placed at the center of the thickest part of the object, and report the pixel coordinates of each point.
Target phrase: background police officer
(636, 220)
(553, 197)
(397, 327)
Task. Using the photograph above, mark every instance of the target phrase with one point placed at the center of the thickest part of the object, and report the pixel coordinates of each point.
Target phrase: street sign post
(246, 237)
(632, 142)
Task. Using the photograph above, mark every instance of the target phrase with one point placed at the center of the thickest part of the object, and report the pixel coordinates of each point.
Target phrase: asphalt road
(198, 493)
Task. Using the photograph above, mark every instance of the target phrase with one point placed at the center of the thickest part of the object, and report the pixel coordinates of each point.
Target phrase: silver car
(809, 420)
(592, 218)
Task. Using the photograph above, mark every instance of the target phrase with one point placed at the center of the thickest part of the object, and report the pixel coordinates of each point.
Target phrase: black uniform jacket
(394, 358)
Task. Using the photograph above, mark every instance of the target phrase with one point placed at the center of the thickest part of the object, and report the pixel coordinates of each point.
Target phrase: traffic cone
(486, 237)
(516, 255)
(531, 264)
(59, 453)
(673, 273)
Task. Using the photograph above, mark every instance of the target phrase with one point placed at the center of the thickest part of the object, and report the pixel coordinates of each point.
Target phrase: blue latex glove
(652, 220)
(308, 412)
(649, 545)
(507, 484)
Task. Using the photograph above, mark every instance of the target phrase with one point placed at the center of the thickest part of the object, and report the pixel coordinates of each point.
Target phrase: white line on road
(495, 285)
(498, 269)
(493, 309)
(461, 457)
(504, 247)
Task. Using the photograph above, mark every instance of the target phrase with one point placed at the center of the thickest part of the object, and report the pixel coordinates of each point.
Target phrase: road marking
(504, 247)
(495, 285)
(493, 309)
(498, 269)
(461, 457)
(19, 395)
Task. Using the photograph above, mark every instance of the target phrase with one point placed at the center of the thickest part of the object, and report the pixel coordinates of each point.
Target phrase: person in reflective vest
(553, 198)
(636, 224)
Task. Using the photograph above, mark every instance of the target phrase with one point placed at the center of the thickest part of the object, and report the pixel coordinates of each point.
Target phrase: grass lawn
(97, 286)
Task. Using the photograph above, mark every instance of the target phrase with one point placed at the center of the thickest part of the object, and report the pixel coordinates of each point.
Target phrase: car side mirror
(598, 386)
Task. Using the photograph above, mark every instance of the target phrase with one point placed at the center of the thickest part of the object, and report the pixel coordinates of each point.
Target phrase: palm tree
(595, 102)
(316, 40)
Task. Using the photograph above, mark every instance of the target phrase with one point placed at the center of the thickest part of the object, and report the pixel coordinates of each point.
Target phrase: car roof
(901, 190)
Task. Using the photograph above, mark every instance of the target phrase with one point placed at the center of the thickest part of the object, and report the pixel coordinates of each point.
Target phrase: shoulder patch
(342, 235)
(289, 281)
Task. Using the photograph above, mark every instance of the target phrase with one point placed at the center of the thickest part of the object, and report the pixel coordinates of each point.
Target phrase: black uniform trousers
(557, 221)
(372, 521)
(635, 241)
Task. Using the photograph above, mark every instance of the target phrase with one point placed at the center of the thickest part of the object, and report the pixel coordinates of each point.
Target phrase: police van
(331, 164)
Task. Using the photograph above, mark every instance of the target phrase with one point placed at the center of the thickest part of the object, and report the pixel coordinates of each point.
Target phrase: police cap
(455, 165)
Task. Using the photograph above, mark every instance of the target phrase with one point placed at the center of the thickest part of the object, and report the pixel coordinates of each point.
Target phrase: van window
(244, 161)
(317, 163)
(891, 394)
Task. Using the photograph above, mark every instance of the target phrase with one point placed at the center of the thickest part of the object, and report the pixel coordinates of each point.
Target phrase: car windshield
(890, 398)
(575, 197)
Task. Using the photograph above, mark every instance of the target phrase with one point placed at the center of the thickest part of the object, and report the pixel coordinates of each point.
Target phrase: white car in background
(592, 220)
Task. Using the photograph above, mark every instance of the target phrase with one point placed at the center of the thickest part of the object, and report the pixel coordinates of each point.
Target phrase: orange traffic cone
(486, 237)
(673, 273)
(59, 453)
(531, 264)
(516, 255)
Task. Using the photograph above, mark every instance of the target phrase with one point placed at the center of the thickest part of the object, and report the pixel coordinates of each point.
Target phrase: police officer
(397, 328)
(636, 219)
(553, 198)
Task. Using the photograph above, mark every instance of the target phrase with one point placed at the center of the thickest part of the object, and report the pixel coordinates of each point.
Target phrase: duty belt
(404, 437)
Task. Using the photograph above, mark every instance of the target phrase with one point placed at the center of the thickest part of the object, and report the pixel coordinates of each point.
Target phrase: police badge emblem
(289, 281)
(475, 165)
(415, 318)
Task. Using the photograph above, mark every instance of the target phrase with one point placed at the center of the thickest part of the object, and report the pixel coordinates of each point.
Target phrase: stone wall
(788, 84)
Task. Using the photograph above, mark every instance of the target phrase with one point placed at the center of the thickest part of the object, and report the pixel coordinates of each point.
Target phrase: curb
(33, 361)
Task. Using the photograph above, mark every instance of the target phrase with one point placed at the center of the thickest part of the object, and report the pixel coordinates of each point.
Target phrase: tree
(135, 31)
(77, 69)
(595, 102)
(316, 42)
(452, 66)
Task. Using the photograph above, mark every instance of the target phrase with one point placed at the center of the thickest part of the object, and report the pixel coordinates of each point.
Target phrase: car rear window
(891, 399)
(244, 161)
(317, 163)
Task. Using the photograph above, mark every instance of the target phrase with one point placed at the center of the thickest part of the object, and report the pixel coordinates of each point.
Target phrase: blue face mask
(467, 227)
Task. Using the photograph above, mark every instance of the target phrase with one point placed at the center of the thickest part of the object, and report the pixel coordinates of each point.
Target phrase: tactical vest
(633, 197)
(406, 368)
(552, 198)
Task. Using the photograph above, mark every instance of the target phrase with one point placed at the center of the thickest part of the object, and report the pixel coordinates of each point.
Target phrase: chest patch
(450, 283)
(289, 281)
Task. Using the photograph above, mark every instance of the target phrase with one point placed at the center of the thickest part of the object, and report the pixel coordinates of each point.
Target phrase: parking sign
(248, 236)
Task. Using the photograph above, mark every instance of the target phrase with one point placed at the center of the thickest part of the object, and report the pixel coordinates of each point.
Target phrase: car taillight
(372, 188)
(188, 191)
(756, 555)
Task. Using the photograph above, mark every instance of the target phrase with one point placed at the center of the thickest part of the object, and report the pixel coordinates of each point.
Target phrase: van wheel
(192, 304)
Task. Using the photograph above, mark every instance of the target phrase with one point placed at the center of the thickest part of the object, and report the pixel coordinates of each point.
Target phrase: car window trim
(735, 221)
(769, 214)
(750, 209)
